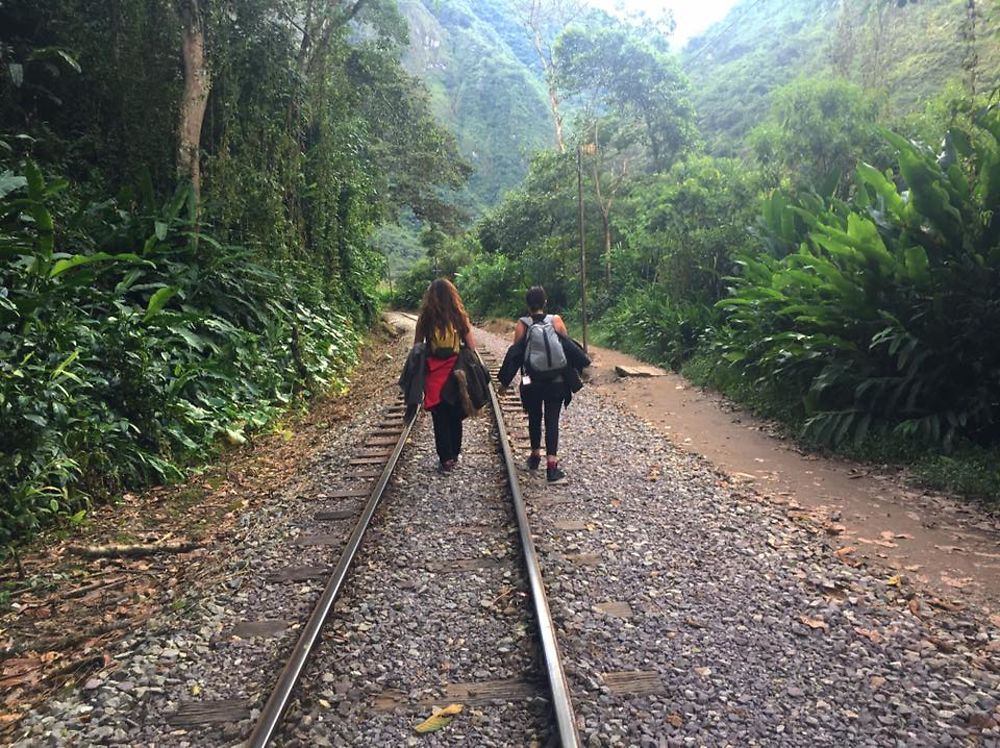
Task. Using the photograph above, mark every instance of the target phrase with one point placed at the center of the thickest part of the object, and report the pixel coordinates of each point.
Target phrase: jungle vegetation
(187, 188)
(801, 210)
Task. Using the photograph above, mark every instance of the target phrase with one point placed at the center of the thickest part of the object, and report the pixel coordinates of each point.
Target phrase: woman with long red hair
(444, 326)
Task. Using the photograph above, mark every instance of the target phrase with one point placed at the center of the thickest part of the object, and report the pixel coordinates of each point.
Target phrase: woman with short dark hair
(444, 326)
(542, 399)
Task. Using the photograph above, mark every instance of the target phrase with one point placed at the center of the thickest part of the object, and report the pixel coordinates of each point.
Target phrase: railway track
(385, 449)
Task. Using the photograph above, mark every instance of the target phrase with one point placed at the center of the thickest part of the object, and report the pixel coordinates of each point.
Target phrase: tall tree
(619, 69)
(197, 85)
(542, 20)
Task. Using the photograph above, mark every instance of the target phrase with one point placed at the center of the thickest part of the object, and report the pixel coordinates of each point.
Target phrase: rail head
(562, 704)
(271, 715)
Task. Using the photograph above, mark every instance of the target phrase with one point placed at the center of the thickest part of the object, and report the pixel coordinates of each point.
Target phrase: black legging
(543, 400)
(447, 430)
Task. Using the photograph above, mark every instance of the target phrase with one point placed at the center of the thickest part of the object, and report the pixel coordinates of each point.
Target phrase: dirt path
(935, 541)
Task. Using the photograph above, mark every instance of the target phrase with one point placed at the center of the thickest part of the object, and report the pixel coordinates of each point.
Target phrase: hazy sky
(693, 16)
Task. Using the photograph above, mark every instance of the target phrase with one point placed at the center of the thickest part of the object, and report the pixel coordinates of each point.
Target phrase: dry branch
(132, 551)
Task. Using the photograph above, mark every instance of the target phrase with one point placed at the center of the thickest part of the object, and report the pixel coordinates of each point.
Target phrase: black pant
(543, 400)
(447, 430)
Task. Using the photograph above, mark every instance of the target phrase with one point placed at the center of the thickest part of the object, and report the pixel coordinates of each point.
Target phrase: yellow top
(445, 342)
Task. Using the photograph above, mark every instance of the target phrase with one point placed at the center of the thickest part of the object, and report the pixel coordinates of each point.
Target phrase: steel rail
(270, 717)
(561, 702)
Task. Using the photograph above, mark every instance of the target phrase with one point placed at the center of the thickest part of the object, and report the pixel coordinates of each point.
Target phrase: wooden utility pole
(583, 251)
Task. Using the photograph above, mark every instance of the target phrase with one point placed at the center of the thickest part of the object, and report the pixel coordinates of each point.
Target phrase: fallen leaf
(995, 620)
(914, 567)
(947, 604)
(915, 606)
(440, 718)
(895, 581)
(8, 717)
(953, 582)
(871, 634)
(813, 623)
(841, 552)
(694, 624)
(195, 689)
(876, 682)
(704, 672)
(676, 720)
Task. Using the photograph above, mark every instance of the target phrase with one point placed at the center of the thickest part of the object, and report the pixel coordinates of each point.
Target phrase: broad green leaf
(9, 181)
(883, 187)
(75, 261)
(61, 369)
(916, 263)
(160, 230)
(157, 301)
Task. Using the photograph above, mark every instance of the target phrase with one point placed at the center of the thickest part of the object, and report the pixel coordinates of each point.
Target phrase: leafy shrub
(117, 367)
(656, 329)
(884, 316)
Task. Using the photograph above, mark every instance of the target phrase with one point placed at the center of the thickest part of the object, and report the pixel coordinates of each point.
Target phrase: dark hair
(535, 298)
(442, 308)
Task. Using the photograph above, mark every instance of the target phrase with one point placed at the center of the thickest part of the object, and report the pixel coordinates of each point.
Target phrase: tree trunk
(548, 70)
(556, 117)
(197, 84)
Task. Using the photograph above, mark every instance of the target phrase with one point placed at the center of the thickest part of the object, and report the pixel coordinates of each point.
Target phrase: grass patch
(972, 472)
(761, 398)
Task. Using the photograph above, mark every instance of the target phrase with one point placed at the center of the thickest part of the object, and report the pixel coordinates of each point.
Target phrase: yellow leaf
(195, 689)
(440, 718)
(895, 581)
(433, 724)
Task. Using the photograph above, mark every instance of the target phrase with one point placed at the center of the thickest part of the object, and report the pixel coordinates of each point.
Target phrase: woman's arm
(418, 330)
(470, 341)
(559, 325)
(520, 330)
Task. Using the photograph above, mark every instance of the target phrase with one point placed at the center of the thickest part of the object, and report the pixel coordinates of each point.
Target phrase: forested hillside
(477, 61)
(908, 51)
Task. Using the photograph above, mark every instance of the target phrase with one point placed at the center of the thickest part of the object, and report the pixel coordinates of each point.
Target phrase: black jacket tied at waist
(467, 385)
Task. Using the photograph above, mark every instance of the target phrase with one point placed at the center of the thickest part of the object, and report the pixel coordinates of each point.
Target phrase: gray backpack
(544, 357)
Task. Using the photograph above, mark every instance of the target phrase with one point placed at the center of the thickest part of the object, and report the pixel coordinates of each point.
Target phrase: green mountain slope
(912, 51)
(477, 63)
